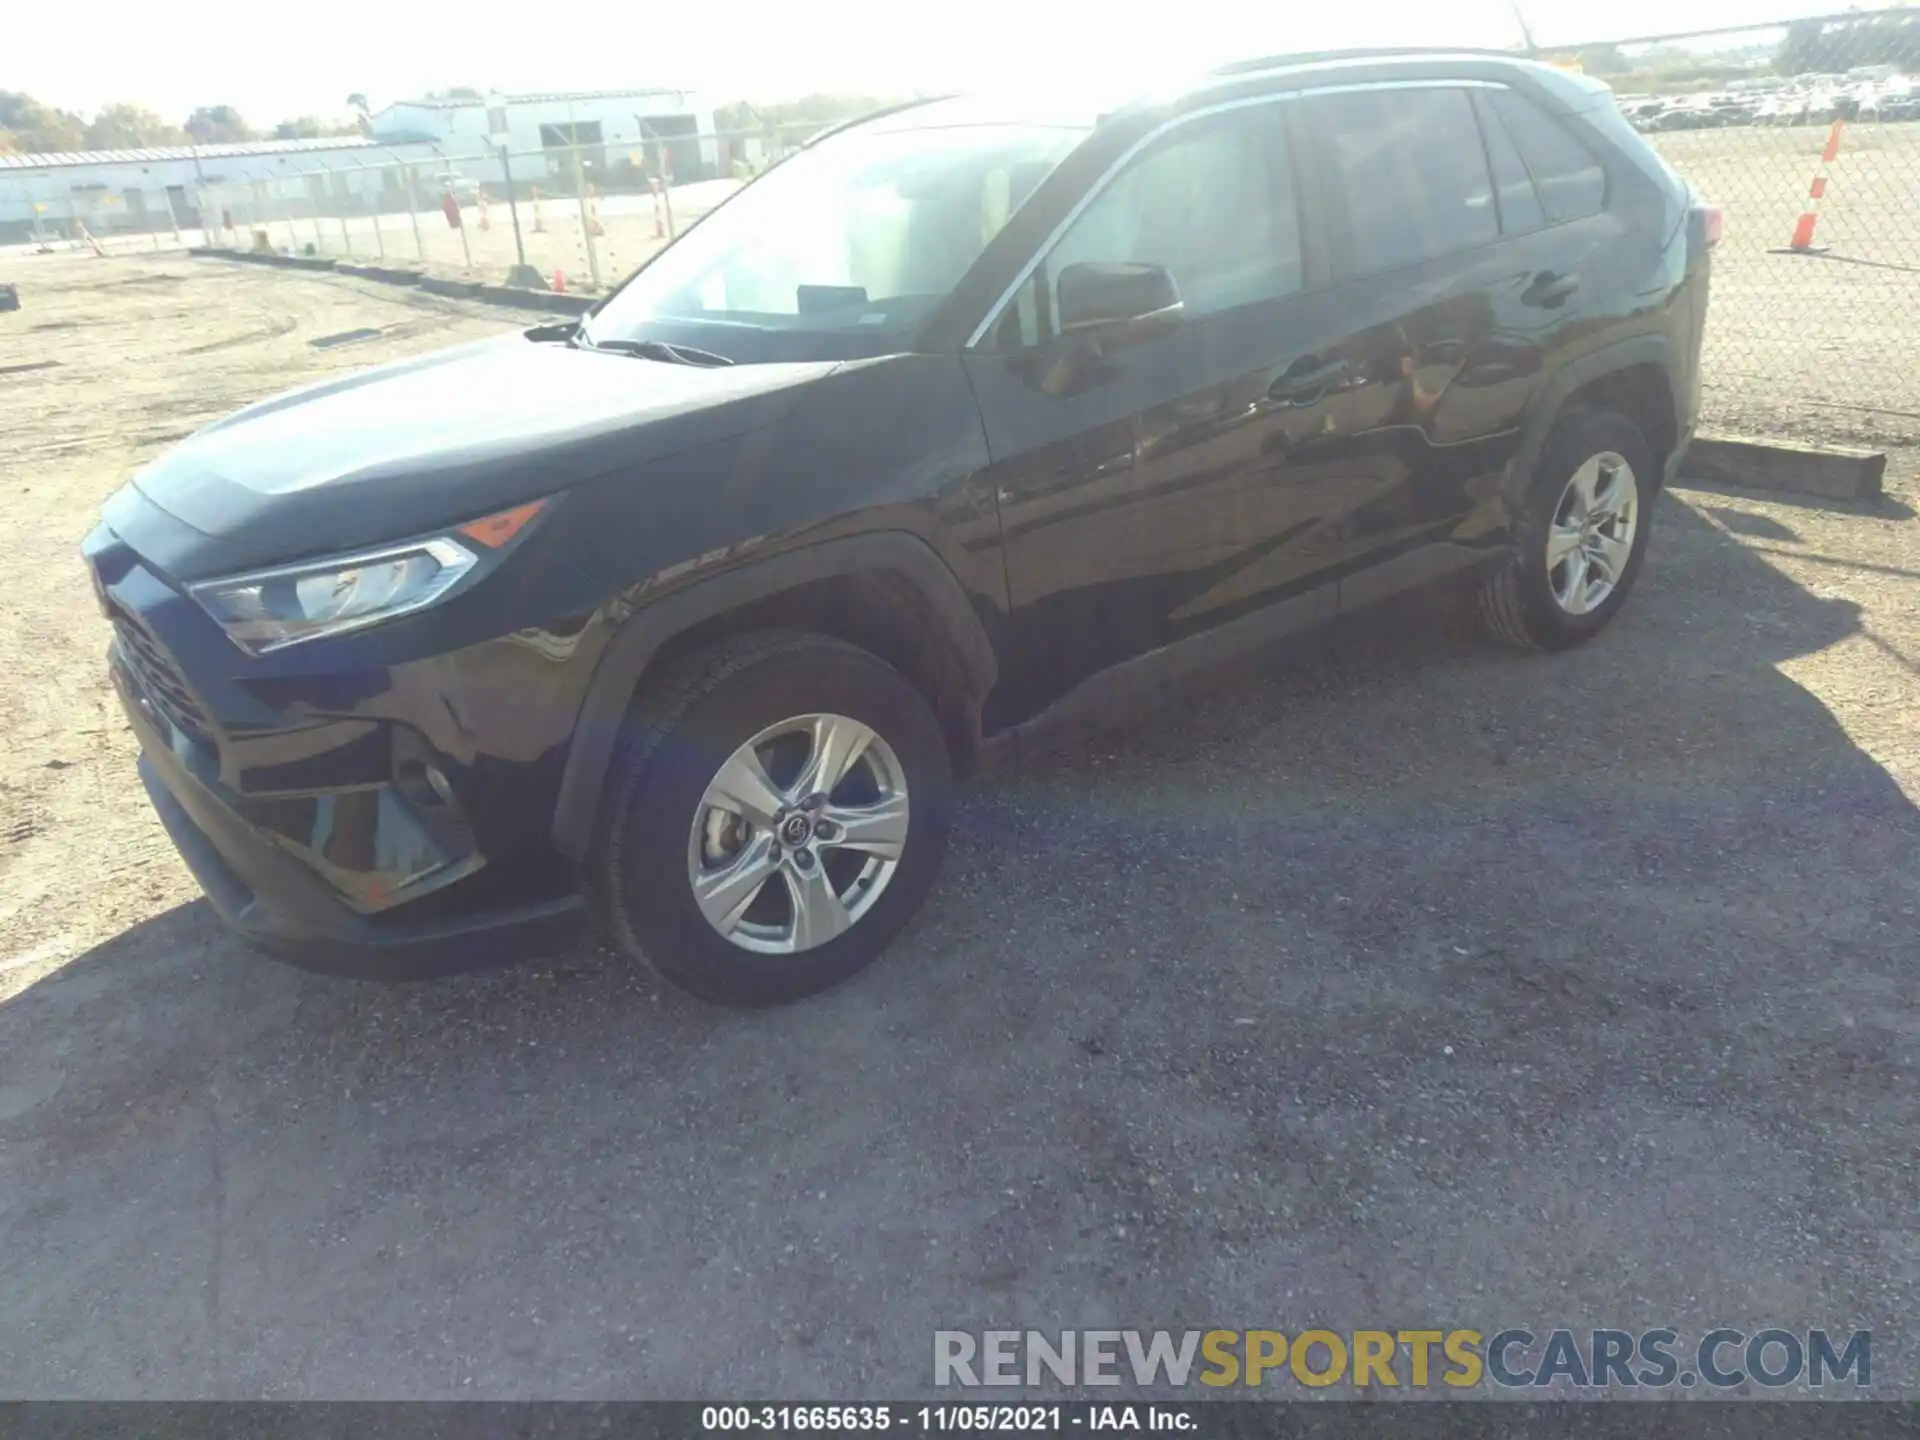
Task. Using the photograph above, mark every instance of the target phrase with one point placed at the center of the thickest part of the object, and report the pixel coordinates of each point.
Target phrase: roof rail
(1311, 57)
(837, 126)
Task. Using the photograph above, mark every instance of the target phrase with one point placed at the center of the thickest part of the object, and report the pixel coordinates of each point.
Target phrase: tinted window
(1520, 212)
(1212, 201)
(1413, 171)
(1570, 180)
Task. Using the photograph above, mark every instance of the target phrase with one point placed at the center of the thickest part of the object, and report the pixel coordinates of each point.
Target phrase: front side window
(1212, 201)
(863, 235)
(1412, 169)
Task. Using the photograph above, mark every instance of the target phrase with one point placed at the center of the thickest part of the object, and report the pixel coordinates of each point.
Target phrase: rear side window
(1569, 179)
(1413, 171)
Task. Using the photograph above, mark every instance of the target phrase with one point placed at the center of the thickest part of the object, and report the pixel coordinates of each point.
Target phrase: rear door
(1150, 492)
(1456, 282)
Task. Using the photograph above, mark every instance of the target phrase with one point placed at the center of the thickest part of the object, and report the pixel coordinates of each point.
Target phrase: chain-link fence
(1807, 134)
(578, 216)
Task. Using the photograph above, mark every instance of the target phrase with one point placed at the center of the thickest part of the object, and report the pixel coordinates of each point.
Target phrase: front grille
(157, 675)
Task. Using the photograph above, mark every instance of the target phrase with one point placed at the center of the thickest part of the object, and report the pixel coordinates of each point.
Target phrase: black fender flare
(640, 638)
(1551, 398)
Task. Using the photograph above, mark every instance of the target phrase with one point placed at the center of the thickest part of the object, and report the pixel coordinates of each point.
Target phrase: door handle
(1548, 289)
(1308, 382)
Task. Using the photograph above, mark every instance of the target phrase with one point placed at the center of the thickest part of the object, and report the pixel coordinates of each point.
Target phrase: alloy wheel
(798, 834)
(1591, 537)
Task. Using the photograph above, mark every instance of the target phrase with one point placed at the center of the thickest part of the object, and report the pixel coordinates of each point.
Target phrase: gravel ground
(1414, 983)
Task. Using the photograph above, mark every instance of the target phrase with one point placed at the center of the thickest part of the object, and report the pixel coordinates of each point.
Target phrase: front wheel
(1581, 536)
(779, 809)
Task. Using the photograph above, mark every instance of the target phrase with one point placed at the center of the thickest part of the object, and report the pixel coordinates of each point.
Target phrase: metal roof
(545, 97)
(233, 151)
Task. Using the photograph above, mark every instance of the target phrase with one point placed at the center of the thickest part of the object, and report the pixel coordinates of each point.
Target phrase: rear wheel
(1581, 538)
(779, 809)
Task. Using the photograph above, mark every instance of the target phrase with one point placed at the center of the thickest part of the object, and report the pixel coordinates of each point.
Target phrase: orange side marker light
(493, 531)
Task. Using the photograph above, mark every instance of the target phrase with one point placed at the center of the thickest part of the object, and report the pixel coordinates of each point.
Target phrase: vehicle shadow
(1417, 977)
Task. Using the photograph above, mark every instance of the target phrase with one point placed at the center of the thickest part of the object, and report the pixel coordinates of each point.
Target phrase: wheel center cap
(796, 830)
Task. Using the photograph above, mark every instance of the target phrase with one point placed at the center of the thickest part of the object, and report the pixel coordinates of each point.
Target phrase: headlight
(271, 609)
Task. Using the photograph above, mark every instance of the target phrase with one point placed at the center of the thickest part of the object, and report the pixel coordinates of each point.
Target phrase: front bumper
(308, 818)
(269, 899)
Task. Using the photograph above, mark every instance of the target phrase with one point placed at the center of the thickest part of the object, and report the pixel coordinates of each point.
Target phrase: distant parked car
(9, 298)
(463, 188)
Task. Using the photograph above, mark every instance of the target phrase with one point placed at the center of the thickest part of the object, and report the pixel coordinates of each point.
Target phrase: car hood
(391, 452)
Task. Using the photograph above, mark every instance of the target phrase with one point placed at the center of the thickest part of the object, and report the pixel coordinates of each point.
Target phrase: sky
(170, 57)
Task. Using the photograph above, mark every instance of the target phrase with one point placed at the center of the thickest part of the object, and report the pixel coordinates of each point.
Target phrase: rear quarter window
(1568, 177)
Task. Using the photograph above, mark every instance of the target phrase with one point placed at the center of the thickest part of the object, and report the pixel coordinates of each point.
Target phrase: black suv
(690, 612)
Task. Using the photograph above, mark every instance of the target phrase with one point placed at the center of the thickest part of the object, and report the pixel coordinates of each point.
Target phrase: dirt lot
(1419, 982)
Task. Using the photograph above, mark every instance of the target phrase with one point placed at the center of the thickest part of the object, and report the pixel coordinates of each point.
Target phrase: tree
(363, 114)
(310, 127)
(1602, 60)
(33, 128)
(214, 124)
(128, 127)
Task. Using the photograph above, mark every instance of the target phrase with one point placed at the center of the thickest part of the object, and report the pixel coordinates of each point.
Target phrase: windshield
(858, 238)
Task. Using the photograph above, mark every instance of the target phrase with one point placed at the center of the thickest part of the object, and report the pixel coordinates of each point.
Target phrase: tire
(679, 734)
(1518, 604)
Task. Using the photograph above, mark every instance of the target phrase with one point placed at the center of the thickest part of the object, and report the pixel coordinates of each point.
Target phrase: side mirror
(1118, 303)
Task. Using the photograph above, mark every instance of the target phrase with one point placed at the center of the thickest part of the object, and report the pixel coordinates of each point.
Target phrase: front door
(1154, 491)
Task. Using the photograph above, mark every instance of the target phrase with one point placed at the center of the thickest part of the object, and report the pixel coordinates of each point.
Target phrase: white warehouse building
(619, 137)
(111, 191)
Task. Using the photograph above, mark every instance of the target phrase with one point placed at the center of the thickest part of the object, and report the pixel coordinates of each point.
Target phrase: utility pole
(1526, 30)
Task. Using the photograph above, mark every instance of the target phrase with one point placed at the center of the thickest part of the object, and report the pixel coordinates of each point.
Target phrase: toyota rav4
(687, 614)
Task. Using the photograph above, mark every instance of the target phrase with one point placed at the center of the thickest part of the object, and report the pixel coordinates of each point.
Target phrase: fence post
(513, 206)
(586, 218)
(456, 217)
(373, 213)
(313, 215)
(413, 212)
(173, 216)
(286, 210)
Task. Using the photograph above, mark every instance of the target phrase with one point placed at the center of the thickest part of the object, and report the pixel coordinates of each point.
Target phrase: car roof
(1087, 107)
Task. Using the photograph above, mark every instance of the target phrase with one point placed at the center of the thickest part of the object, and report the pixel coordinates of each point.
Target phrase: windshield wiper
(656, 350)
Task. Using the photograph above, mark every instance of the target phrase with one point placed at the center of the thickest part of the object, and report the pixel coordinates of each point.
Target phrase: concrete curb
(548, 300)
(389, 274)
(267, 257)
(545, 300)
(1831, 471)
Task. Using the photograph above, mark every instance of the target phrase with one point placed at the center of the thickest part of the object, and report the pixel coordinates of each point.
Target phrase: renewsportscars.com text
(1514, 1358)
